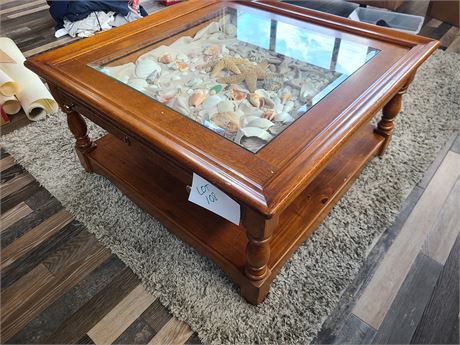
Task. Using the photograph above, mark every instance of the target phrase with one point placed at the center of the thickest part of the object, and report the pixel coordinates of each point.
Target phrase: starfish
(250, 73)
(226, 62)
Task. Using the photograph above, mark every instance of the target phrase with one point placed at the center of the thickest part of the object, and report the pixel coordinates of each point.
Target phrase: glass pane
(241, 74)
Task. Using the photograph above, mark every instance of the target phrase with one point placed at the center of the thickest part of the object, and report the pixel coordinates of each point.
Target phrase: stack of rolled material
(20, 87)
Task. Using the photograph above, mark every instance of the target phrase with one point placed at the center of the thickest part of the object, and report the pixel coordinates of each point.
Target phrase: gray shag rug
(310, 285)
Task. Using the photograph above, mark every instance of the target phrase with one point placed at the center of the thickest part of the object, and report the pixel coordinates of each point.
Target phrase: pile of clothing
(84, 18)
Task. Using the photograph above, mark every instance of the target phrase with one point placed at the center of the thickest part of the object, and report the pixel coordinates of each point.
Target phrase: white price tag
(213, 199)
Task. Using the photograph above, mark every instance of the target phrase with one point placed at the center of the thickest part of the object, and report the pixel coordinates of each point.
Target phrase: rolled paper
(10, 104)
(8, 87)
(32, 94)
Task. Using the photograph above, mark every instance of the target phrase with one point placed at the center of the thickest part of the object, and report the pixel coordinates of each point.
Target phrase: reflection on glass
(241, 74)
(254, 29)
(304, 45)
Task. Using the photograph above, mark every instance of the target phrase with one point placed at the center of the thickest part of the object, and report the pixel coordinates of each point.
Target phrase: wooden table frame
(285, 190)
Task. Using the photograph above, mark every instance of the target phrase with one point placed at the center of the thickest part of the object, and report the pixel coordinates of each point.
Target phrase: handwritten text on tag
(213, 199)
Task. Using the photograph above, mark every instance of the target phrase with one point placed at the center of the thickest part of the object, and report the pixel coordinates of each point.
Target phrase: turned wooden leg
(386, 125)
(259, 232)
(83, 145)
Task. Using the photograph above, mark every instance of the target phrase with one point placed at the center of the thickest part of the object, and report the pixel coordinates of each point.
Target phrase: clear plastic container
(399, 21)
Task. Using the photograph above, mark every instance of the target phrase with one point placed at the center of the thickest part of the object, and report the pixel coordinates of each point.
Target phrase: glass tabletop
(241, 74)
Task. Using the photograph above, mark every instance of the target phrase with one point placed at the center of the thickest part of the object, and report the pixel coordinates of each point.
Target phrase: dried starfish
(250, 73)
(226, 62)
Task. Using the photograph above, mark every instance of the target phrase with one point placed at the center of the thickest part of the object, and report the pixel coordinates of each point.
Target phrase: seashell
(138, 84)
(255, 100)
(123, 72)
(283, 117)
(306, 91)
(212, 50)
(165, 96)
(211, 102)
(288, 107)
(181, 43)
(180, 104)
(285, 96)
(225, 106)
(268, 114)
(210, 29)
(183, 58)
(261, 98)
(252, 132)
(260, 123)
(165, 58)
(244, 120)
(246, 107)
(147, 67)
(237, 94)
(182, 66)
(197, 98)
(230, 121)
(153, 76)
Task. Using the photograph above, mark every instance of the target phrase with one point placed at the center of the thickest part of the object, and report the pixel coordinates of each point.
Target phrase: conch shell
(255, 100)
(197, 98)
(237, 94)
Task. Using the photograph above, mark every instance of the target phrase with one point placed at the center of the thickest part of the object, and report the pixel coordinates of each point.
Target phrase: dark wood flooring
(59, 285)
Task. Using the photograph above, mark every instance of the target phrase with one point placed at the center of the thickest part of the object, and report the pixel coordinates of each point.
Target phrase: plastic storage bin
(399, 21)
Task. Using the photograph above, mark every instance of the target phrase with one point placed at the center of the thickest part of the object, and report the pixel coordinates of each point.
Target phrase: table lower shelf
(165, 197)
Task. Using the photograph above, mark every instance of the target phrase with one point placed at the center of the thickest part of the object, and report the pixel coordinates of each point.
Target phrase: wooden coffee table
(320, 81)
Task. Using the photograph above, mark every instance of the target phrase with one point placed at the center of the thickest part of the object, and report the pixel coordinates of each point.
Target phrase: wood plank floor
(59, 285)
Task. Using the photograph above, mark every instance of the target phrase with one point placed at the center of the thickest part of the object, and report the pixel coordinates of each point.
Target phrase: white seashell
(307, 91)
(145, 68)
(264, 93)
(210, 29)
(181, 105)
(225, 106)
(165, 96)
(138, 84)
(252, 132)
(244, 120)
(288, 107)
(181, 43)
(260, 123)
(283, 117)
(122, 72)
(211, 103)
(246, 107)
(182, 57)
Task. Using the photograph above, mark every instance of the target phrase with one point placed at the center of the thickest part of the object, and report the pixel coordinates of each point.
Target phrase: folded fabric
(96, 21)
(78, 10)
